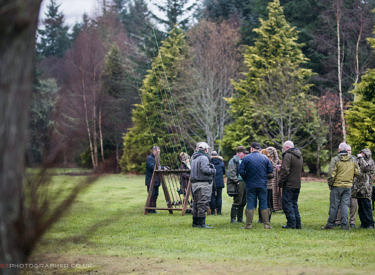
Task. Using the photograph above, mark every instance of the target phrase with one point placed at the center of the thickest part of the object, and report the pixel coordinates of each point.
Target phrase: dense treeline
(228, 72)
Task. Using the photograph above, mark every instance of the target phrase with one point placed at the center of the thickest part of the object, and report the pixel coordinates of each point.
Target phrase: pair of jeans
(339, 197)
(365, 213)
(254, 194)
(216, 200)
(290, 207)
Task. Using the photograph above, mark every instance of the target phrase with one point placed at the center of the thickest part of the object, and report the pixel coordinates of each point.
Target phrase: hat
(255, 145)
(213, 153)
(241, 149)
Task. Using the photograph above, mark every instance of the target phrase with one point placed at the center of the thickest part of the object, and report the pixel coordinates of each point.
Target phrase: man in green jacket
(234, 179)
(340, 181)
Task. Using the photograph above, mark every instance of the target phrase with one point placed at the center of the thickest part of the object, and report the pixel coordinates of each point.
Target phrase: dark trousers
(269, 198)
(240, 200)
(365, 213)
(290, 207)
(216, 200)
(154, 195)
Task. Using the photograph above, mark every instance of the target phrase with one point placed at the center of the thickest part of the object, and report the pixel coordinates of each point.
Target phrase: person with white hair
(201, 178)
(290, 182)
(353, 201)
(340, 181)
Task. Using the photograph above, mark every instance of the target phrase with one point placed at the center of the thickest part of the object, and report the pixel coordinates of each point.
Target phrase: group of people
(350, 181)
(254, 175)
(250, 179)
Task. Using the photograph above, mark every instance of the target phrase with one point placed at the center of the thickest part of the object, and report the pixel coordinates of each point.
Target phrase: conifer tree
(175, 12)
(361, 115)
(155, 118)
(54, 38)
(271, 103)
(118, 96)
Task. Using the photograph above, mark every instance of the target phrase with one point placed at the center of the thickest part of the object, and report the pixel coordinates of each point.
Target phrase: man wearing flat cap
(255, 169)
(236, 186)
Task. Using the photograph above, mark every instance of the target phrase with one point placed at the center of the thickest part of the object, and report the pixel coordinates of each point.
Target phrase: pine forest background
(228, 72)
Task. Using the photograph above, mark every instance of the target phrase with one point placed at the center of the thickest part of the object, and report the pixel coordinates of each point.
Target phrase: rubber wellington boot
(265, 217)
(240, 214)
(233, 214)
(203, 223)
(195, 222)
(249, 218)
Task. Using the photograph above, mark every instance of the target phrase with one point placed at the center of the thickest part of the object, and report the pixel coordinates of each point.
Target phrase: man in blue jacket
(150, 165)
(255, 169)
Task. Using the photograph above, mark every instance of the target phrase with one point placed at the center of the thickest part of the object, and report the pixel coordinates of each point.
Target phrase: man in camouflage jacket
(362, 188)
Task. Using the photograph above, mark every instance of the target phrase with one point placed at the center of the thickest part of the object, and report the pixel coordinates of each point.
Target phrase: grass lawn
(106, 232)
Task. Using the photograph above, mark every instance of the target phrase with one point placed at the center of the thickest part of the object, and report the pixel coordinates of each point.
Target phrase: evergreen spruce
(273, 73)
(155, 119)
(174, 11)
(54, 38)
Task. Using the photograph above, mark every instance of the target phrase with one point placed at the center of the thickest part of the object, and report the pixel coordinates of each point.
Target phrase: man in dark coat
(236, 186)
(290, 182)
(150, 166)
(201, 176)
(255, 169)
(218, 185)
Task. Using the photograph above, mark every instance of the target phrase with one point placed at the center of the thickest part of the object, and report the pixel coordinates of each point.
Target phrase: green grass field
(106, 232)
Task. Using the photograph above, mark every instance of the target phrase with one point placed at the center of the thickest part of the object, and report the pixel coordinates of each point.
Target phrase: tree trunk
(101, 134)
(87, 122)
(339, 68)
(318, 149)
(18, 22)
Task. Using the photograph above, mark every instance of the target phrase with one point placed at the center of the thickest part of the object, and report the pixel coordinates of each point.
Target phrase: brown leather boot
(249, 218)
(266, 218)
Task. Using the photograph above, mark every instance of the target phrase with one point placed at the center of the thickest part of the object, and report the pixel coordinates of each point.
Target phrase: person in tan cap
(236, 186)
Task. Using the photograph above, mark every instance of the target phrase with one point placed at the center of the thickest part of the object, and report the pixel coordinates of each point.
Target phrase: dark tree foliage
(136, 19)
(355, 19)
(41, 122)
(54, 38)
(248, 11)
(175, 12)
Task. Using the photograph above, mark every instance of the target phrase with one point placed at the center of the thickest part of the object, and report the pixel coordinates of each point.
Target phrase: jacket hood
(216, 159)
(273, 154)
(294, 151)
(198, 154)
(344, 156)
(367, 153)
